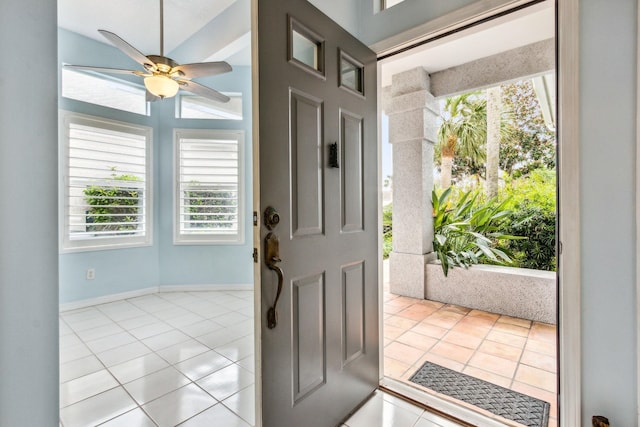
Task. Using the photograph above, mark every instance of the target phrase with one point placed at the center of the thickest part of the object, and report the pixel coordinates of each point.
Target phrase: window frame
(384, 4)
(214, 238)
(123, 83)
(182, 97)
(68, 245)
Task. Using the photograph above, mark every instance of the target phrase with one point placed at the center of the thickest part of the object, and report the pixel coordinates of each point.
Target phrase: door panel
(321, 359)
(306, 124)
(352, 177)
(353, 311)
(309, 345)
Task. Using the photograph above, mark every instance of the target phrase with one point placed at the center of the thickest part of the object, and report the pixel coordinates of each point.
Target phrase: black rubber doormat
(498, 400)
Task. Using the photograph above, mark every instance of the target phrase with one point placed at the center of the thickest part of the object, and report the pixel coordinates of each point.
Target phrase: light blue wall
(120, 270)
(28, 215)
(607, 164)
(124, 270)
(204, 264)
(345, 13)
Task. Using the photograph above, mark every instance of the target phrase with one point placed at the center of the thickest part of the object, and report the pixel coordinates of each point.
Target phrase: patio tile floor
(514, 353)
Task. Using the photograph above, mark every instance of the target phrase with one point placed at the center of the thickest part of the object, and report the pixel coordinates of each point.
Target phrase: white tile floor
(166, 359)
(385, 410)
(181, 358)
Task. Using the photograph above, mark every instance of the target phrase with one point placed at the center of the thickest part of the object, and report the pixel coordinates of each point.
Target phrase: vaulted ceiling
(194, 30)
(216, 30)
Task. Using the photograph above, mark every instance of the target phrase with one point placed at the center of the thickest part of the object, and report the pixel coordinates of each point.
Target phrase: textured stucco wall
(516, 292)
(526, 61)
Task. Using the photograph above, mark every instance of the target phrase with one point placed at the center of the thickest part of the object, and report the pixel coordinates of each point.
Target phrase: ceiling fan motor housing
(162, 63)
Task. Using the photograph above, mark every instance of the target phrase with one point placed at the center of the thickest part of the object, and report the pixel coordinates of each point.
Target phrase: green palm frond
(465, 118)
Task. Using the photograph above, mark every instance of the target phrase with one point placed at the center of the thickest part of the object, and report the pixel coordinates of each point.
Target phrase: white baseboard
(75, 305)
(204, 288)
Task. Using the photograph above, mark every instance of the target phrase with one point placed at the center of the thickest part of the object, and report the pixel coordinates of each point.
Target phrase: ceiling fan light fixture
(161, 86)
(163, 77)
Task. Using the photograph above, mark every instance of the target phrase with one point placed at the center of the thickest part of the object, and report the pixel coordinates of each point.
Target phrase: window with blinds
(209, 187)
(107, 198)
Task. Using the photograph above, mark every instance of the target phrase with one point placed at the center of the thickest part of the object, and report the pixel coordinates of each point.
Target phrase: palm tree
(462, 133)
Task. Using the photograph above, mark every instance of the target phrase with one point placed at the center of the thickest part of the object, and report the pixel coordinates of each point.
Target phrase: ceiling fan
(163, 77)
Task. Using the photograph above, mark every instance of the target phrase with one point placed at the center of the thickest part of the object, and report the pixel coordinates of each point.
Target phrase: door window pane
(351, 74)
(306, 48)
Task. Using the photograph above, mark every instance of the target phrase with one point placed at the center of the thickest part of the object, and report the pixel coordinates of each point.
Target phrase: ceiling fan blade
(201, 69)
(201, 90)
(129, 50)
(149, 97)
(108, 70)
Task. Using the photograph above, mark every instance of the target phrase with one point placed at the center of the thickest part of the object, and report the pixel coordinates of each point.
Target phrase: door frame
(567, 64)
(568, 175)
(257, 277)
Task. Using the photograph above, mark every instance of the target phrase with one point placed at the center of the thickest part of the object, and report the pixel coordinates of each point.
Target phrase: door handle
(272, 258)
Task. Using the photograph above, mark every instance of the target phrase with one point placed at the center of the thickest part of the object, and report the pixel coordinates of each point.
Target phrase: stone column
(413, 114)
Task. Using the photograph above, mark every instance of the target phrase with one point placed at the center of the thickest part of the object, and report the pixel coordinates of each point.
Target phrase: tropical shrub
(537, 189)
(210, 208)
(532, 199)
(469, 231)
(387, 230)
(113, 207)
(538, 250)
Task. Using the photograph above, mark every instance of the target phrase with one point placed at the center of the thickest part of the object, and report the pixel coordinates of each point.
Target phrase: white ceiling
(518, 29)
(138, 22)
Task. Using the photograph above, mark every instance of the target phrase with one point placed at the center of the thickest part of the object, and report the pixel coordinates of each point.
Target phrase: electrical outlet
(91, 274)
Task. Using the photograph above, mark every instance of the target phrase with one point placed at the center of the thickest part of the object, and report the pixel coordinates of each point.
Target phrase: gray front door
(318, 171)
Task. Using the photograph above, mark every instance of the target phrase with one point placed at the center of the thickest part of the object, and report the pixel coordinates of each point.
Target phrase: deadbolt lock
(271, 218)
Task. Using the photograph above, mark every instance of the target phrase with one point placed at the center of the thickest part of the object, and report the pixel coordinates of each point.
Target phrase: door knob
(271, 218)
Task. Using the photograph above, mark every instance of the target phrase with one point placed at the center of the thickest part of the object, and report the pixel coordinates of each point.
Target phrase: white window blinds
(106, 184)
(208, 186)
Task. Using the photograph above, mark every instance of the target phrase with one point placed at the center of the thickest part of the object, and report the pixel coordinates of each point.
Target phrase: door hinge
(255, 255)
(255, 218)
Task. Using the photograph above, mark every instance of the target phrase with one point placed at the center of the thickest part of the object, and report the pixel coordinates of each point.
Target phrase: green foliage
(468, 232)
(531, 206)
(205, 206)
(538, 188)
(462, 133)
(538, 251)
(113, 207)
(526, 143)
(530, 144)
(387, 230)
(532, 199)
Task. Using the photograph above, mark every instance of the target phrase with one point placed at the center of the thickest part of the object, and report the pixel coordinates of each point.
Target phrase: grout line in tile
(144, 308)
